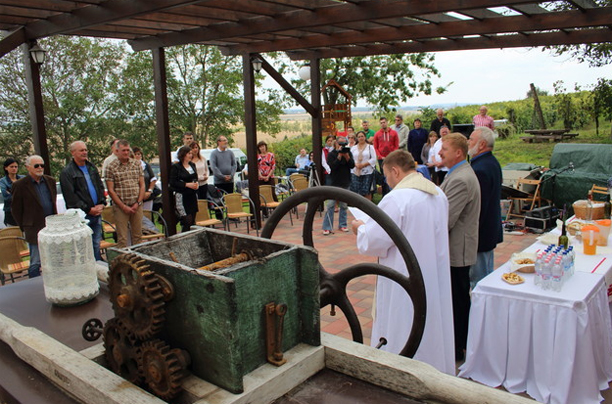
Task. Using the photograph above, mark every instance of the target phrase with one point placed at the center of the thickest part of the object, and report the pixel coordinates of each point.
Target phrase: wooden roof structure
(304, 29)
(308, 29)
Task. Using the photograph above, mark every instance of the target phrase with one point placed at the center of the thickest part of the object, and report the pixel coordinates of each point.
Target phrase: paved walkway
(338, 251)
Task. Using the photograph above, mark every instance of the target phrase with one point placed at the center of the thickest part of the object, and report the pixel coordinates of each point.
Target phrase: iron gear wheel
(162, 368)
(137, 296)
(121, 350)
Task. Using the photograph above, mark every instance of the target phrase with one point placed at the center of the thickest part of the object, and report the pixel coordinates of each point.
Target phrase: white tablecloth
(556, 346)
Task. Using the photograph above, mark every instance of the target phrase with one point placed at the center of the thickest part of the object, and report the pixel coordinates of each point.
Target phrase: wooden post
(250, 124)
(163, 135)
(35, 103)
(536, 105)
(315, 100)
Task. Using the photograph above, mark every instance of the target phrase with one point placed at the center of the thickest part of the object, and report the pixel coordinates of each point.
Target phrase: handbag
(378, 179)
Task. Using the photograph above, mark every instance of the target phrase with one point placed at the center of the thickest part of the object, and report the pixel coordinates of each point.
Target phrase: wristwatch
(139, 203)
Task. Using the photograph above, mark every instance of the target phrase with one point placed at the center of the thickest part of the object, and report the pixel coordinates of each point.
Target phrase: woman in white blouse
(202, 168)
(365, 161)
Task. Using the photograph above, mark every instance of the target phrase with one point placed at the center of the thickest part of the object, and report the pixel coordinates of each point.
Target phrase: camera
(344, 148)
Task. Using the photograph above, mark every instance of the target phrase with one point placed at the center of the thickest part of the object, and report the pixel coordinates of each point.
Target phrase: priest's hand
(355, 225)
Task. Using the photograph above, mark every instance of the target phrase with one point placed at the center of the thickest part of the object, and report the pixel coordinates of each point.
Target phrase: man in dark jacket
(488, 171)
(82, 188)
(33, 199)
(340, 161)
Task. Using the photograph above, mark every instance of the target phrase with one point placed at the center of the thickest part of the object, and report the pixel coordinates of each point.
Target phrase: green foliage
(286, 150)
(96, 90)
(384, 82)
(602, 100)
(595, 54)
(78, 85)
(514, 150)
(427, 116)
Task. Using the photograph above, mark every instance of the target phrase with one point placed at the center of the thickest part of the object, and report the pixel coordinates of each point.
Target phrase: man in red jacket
(385, 141)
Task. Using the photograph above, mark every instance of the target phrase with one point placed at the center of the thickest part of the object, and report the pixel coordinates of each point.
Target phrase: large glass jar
(67, 260)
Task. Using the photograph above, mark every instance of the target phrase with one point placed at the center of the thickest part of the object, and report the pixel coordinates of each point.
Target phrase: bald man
(82, 189)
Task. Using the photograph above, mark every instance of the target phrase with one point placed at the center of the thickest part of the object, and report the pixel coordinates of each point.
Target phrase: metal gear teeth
(164, 375)
(125, 361)
(145, 287)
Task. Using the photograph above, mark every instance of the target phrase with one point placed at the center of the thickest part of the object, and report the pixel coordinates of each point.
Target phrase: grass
(514, 150)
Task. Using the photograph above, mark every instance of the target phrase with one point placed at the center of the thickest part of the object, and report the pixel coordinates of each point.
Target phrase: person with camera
(341, 162)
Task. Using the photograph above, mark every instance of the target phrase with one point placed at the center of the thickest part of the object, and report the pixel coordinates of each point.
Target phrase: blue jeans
(95, 224)
(328, 219)
(485, 262)
(290, 170)
(34, 269)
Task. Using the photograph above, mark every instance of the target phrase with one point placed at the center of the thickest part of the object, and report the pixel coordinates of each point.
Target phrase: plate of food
(513, 278)
(523, 262)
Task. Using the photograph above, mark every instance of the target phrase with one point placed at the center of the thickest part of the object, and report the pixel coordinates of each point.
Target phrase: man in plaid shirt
(125, 184)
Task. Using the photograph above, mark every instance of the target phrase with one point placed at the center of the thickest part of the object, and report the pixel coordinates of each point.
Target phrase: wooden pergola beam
(487, 26)
(12, 41)
(342, 13)
(595, 35)
(90, 16)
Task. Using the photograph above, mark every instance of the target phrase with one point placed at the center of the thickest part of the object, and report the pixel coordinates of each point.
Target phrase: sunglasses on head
(39, 166)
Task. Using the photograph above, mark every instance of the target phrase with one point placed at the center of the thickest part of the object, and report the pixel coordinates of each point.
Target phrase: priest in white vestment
(420, 209)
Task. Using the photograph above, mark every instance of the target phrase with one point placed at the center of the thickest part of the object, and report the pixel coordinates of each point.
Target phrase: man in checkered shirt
(125, 184)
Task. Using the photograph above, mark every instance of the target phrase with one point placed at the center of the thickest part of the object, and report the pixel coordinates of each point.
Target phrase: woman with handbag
(365, 163)
(184, 183)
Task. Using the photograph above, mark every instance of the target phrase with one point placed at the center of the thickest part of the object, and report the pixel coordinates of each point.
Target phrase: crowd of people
(456, 200)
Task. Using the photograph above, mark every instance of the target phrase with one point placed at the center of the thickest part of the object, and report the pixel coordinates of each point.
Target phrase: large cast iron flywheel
(333, 286)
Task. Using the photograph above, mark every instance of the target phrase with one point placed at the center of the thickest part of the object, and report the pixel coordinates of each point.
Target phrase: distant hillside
(403, 108)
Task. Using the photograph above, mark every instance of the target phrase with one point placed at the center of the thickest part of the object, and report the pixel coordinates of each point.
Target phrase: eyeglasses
(39, 166)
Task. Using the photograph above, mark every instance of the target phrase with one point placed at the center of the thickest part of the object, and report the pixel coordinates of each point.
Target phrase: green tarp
(592, 165)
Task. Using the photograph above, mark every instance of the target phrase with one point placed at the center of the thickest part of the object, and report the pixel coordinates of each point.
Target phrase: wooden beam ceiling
(332, 15)
(549, 21)
(594, 35)
(306, 27)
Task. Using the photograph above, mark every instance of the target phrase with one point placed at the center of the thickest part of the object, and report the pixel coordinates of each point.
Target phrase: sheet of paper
(359, 214)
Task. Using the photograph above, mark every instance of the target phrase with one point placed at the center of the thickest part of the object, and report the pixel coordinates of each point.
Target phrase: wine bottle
(563, 239)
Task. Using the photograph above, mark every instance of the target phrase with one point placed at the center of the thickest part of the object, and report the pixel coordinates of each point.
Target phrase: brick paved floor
(338, 251)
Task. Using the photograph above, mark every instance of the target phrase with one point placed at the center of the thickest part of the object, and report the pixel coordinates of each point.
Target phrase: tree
(205, 95)
(77, 84)
(602, 99)
(595, 54)
(95, 90)
(384, 82)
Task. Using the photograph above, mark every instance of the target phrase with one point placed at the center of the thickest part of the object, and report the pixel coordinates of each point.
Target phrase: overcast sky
(484, 76)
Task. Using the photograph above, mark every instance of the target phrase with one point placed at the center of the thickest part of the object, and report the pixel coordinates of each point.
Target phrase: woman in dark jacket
(184, 182)
(6, 183)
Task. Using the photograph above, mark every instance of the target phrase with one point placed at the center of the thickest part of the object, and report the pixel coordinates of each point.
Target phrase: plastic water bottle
(538, 269)
(546, 274)
(566, 262)
(556, 275)
(572, 255)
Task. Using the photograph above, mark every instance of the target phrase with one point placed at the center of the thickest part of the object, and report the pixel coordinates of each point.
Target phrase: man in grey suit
(463, 192)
